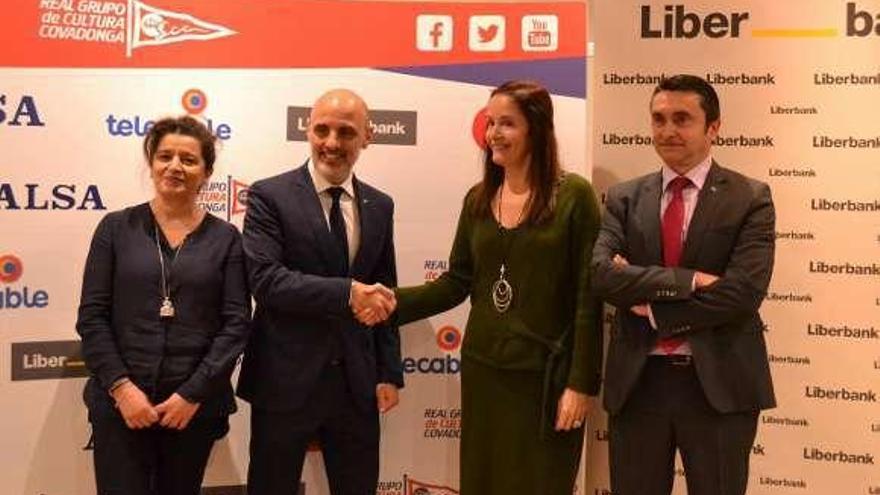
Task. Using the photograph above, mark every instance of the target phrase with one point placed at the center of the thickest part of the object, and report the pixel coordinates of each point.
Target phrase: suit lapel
(649, 215)
(707, 205)
(371, 231)
(308, 202)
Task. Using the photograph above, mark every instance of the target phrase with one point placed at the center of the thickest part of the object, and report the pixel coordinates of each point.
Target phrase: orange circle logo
(449, 338)
(10, 268)
(194, 101)
(481, 122)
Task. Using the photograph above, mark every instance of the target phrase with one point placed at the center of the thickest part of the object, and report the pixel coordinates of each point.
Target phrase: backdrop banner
(82, 81)
(799, 84)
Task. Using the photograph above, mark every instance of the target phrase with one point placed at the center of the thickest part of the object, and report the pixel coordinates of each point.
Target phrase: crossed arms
(724, 288)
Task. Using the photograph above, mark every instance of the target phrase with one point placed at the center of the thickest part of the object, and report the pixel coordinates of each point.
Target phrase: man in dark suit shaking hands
(314, 237)
(685, 255)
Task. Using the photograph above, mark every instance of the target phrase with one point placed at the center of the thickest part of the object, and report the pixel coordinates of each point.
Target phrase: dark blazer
(731, 234)
(303, 312)
(192, 354)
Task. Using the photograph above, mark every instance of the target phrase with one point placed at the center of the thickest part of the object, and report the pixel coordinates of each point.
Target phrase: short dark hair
(693, 84)
(184, 125)
(535, 103)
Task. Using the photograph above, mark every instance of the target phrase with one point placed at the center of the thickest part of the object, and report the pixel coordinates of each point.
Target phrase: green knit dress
(516, 363)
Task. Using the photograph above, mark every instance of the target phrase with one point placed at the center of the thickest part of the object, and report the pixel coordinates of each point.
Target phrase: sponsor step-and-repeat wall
(81, 81)
(799, 83)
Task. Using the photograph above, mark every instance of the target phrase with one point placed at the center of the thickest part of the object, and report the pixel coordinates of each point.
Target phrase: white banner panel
(799, 84)
(77, 93)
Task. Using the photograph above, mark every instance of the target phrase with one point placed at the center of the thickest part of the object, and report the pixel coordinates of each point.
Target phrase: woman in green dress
(532, 348)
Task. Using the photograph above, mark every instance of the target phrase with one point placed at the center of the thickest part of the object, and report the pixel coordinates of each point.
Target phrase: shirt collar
(697, 175)
(322, 184)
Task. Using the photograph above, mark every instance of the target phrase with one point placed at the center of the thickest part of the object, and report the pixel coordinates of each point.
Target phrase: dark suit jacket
(731, 234)
(302, 310)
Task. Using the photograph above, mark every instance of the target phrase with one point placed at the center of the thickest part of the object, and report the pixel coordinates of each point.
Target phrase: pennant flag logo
(239, 197)
(414, 487)
(151, 26)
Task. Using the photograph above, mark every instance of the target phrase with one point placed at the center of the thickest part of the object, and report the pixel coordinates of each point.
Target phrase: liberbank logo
(194, 102)
(842, 331)
(837, 456)
(783, 482)
(683, 23)
(848, 205)
(448, 340)
(47, 360)
(845, 268)
(132, 23)
(839, 394)
(18, 296)
(396, 127)
(740, 141)
(677, 22)
(789, 297)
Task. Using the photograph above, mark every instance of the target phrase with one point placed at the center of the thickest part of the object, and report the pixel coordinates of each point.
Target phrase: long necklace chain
(502, 291)
(166, 310)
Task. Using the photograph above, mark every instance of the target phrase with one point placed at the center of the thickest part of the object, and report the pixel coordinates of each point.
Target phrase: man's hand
(640, 310)
(176, 412)
(571, 412)
(386, 397)
(619, 261)
(703, 280)
(134, 406)
(371, 304)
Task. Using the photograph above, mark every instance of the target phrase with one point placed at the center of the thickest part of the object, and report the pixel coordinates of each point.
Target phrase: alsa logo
(448, 340)
(21, 111)
(56, 197)
(11, 270)
(678, 23)
(193, 101)
(861, 23)
(135, 24)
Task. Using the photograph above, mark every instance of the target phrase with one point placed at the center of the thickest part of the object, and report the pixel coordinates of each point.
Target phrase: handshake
(371, 304)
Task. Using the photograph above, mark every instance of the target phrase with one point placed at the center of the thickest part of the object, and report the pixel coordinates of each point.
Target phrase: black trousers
(349, 439)
(153, 461)
(666, 411)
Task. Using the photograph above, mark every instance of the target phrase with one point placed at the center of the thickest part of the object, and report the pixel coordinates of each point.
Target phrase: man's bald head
(344, 100)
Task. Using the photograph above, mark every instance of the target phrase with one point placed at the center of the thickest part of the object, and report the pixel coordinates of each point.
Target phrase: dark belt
(672, 359)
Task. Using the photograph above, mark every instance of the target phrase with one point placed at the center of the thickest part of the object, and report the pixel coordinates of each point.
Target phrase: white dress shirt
(346, 204)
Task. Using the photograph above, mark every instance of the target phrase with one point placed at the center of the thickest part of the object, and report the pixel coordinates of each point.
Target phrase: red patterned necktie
(673, 228)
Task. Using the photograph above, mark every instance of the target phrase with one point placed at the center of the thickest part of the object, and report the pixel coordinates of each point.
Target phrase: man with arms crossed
(311, 371)
(685, 255)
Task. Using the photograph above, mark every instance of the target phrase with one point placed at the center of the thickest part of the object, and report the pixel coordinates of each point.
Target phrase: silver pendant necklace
(502, 291)
(166, 309)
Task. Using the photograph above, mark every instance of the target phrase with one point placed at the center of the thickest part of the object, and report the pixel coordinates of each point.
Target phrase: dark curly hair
(187, 126)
